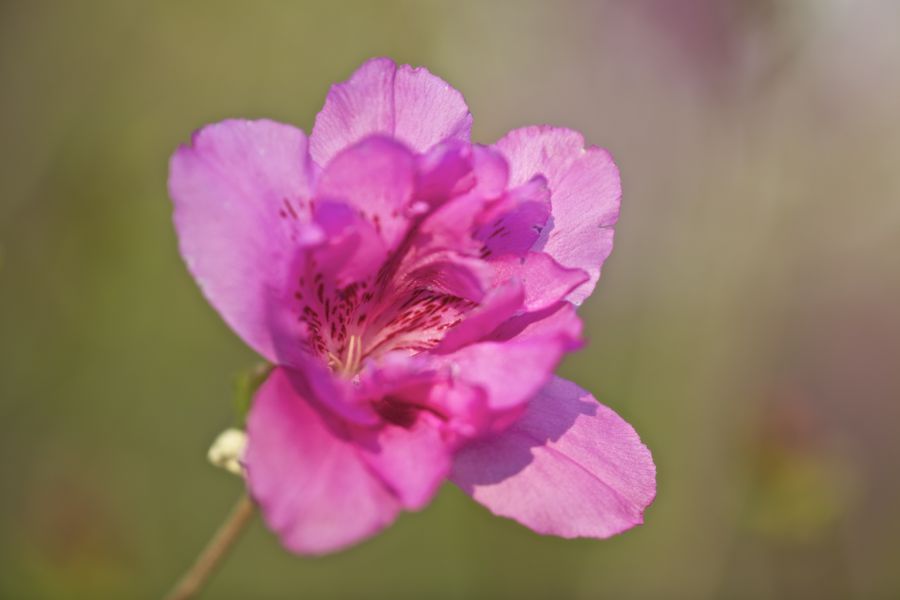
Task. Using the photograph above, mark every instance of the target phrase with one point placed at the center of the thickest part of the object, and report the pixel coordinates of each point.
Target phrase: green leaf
(245, 385)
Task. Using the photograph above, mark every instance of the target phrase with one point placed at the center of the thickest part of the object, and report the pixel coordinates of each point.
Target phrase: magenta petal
(450, 226)
(509, 372)
(412, 461)
(452, 223)
(380, 97)
(560, 320)
(500, 304)
(585, 193)
(491, 171)
(336, 394)
(308, 478)
(408, 451)
(515, 223)
(445, 172)
(354, 248)
(454, 274)
(544, 280)
(408, 385)
(569, 467)
(377, 177)
(241, 191)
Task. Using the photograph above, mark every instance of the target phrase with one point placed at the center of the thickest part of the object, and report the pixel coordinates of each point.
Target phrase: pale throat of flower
(348, 364)
(361, 320)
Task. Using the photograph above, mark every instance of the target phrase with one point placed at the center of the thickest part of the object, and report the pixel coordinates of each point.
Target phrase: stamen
(354, 355)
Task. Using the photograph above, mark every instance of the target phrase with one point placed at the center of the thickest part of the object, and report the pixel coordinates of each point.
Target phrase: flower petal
(412, 460)
(452, 223)
(445, 172)
(500, 304)
(509, 372)
(418, 384)
(585, 194)
(544, 280)
(241, 192)
(514, 224)
(307, 475)
(335, 393)
(449, 272)
(569, 467)
(377, 177)
(353, 250)
(409, 104)
(559, 320)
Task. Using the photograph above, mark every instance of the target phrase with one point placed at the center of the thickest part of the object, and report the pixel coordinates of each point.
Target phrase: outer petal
(241, 192)
(410, 104)
(569, 467)
(307, 476)
(585, 194)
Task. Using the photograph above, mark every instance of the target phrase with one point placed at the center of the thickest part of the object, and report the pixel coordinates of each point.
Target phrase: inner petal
(366, 291)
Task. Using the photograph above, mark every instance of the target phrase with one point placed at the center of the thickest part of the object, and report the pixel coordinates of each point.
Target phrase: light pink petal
(544, 281)
(377, 177)
(585, 193)
(569, 467)
(410, 104)
(314, 490)
(241, 192)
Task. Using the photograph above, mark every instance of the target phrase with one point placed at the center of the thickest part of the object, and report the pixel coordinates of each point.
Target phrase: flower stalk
(193, 581)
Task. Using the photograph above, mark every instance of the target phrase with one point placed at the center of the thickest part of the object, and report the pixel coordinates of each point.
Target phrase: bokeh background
(747, 324)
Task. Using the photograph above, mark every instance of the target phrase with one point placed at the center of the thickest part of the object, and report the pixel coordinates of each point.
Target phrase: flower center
(348, 364)
(345, 327)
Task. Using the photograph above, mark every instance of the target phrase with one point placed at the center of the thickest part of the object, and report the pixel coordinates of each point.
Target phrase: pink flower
(416, 292)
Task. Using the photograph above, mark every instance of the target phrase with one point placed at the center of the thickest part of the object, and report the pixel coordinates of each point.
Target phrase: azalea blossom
(416, 292)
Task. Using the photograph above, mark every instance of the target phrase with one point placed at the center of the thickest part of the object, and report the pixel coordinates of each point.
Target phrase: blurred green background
(747, 324)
